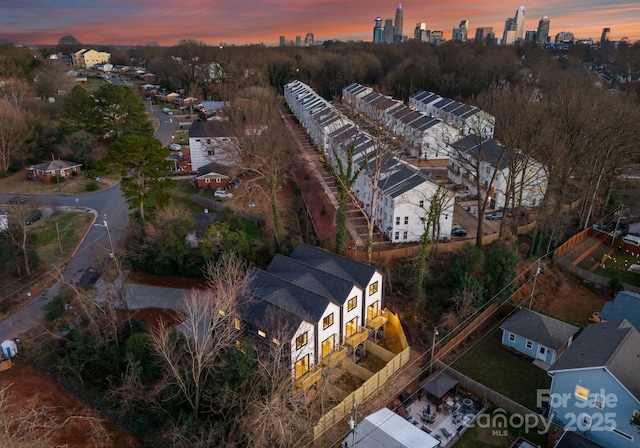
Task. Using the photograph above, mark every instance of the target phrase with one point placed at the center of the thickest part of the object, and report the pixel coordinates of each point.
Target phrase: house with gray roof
(211, 142)
(53, 169)
(626, 305)
(501, 171)
(595, 385)
(536, 335)
(324, 306)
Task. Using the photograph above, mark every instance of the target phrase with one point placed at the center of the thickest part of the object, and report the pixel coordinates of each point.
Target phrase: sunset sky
(128, 22)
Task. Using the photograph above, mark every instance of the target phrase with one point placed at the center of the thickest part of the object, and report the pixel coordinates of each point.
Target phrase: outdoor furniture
(446, 433)
(425, 429)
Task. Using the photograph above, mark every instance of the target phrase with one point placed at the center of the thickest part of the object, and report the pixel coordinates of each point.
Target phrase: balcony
(377, 321)
(357, 338)
(308, 379)
(334, 358)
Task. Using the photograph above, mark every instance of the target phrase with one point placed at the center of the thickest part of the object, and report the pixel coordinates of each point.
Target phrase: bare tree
(13, 130)
(193, 355)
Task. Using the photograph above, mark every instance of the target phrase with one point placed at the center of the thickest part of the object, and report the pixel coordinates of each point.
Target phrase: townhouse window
(421, 204)
(352, 303)
(512, 337)
(327, 321)
(529, 345)
(397, 220)
(405, 234)
(276, 341)
(373, 288)
(488, 170)
(211, 152)
(397, 236)
(406, 220)
(302, 366)
(301, 341)
(236, 323)
(581, 392)
(598, 401)
(208, 141)
(584, 423)
(262, 333)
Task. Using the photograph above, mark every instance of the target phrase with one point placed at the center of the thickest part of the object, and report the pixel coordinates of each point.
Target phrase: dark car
(33, 217)
(458, 231)
(17, 200)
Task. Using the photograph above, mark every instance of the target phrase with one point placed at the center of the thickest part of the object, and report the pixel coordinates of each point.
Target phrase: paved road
(168, 124)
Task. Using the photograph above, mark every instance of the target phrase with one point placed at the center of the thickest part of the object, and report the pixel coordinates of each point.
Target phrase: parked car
(167, 111)
(462, 193)
(458, 231)
(222, 194)
(175, 147)
(494, 215)
(17, 200)
(33, 217)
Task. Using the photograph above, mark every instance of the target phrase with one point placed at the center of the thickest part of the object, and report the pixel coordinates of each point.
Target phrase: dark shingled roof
(614, 345)
(208, 129)
(490, 150)
(571, 439)
(334, 264)
(626, 305)
(539, 328)
(53, 165)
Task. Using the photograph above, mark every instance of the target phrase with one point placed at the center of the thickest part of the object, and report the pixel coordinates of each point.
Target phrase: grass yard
(513, 375)
(484, 437)
(18, 184)
(618, 263)
(595, 257)
(71, 227)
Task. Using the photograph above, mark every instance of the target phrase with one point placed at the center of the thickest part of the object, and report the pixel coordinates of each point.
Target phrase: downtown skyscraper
(398, 24)
(542, 35)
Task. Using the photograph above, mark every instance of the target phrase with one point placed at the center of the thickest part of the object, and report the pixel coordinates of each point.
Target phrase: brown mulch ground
(25, 382)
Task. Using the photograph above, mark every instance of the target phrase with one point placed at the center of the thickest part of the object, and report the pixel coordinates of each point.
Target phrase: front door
(542, 353)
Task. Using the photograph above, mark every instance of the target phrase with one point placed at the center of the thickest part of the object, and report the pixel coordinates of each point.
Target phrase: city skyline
(117, 22)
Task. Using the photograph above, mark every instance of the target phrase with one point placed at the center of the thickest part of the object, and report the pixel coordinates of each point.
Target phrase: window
(327, 321)
(302, 366)
(421, 204)
(598, 401)
(405, 234)
(373, 288)
(218, 180)
(328, 345)
(276, 341)
(352, 303)
(582, 392)
(406, 220)
(584, 423)
(236, 323)
(262, 333)
(207, 181)
(352, 327)
(512, 337)
(529, 345)
(397, 220)
(397, 236)
(208, 141)
(301, 341)
(211, 152)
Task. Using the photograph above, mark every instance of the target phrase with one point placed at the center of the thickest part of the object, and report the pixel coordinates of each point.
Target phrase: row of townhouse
(321, 305)
(463, 135)
(469, 119)
(427, 137)
(404, 191)
(500, 172)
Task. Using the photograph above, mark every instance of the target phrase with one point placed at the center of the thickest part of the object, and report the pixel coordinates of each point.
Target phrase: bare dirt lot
(75, 424)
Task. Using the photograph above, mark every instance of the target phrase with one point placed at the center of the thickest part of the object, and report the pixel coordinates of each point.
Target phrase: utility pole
(533, 286)
(613, 238)
(59, 241)
(433, 349)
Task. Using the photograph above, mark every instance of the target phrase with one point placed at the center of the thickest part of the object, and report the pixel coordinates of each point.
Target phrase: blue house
(626, 305)
(595, 386)
(536, 335)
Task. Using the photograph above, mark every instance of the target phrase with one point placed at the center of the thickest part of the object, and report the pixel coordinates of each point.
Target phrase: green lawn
(511, 374)
(618, 263)
(478, 437)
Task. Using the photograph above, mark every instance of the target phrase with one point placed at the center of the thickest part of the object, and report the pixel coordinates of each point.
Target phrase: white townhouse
(427, 137)
(404, 192)
(529, 176)
(469, 119)
(324, 306)
(210, 141)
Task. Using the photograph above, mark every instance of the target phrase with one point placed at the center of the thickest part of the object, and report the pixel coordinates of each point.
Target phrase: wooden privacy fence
(374, 381)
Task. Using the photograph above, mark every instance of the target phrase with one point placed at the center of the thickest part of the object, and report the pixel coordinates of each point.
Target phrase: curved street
(95, 244)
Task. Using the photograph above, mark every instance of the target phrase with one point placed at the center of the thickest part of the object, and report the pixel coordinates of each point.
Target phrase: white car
(175, 147)
(222, 194)
(167, 111)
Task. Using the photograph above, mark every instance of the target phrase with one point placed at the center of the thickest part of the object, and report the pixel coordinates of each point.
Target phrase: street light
(105, 224)
(433, 349)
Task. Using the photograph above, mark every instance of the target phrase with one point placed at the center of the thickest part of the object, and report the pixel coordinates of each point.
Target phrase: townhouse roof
(420, 95)
(334, 264)
(570, 439)
(335, 288)
(208, 129)
(536, 327)
(305, 304)
(54, 165)
(270, 318)
(614, 345)
(626, 305)
(490, 150)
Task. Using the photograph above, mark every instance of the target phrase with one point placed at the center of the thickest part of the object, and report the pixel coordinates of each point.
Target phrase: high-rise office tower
(398, 24)
(436, 37)
(421, 32)
(482, 33)
(461, 33)
(298, 41)
(510, 30)
(530, 36)
(282, 41)
(309, 40)
(378, 31)
(388, 31)
(519, 20)
(605, 35)
(564, 36)
(542, 36)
